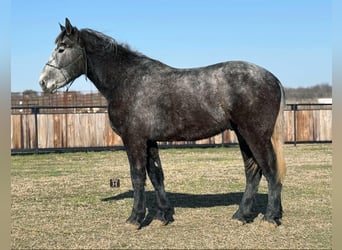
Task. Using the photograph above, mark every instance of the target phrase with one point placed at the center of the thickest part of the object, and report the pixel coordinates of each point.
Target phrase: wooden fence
(35, 129)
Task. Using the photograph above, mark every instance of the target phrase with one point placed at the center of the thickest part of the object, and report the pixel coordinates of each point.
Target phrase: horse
(150, 102)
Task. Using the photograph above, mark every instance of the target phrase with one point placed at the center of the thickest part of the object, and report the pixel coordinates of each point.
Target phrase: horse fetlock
(165, 216)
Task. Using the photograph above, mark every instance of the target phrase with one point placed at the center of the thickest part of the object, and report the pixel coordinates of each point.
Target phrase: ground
(65, 201)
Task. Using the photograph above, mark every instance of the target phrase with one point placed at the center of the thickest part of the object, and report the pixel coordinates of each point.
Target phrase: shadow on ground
(193, 201)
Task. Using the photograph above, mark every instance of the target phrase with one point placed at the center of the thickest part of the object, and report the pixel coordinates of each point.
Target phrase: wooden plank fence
(34, 130)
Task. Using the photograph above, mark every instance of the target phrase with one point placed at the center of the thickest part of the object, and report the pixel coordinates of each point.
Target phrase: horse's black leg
(136, 152)
(155, 172)
(264, 155)
(253, 176)
(274, 210)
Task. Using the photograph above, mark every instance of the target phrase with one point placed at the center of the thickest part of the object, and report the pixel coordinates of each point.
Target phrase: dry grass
(57, 201)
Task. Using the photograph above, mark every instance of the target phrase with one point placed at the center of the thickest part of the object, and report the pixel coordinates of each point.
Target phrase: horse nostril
(43, 83)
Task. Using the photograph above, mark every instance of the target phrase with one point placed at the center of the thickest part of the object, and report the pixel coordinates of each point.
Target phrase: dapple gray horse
(149, 101)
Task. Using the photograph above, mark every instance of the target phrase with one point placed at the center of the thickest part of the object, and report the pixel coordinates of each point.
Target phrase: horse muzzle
(52, 79)
(44, 85)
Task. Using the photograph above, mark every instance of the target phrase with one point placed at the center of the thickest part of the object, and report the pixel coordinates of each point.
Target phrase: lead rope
(69, 85)
(85, 64)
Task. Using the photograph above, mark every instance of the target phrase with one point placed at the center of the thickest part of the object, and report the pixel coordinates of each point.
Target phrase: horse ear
(68, 26)
(62, 27)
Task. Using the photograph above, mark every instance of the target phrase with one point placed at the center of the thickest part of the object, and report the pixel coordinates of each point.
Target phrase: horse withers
(149, 101)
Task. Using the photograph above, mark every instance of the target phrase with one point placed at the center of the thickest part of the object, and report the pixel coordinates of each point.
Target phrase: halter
(61, 69)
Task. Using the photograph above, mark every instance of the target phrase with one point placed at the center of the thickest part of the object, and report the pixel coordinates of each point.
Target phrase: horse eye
(61, 49)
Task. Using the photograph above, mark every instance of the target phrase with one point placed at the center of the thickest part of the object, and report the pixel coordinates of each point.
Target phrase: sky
(290, 38)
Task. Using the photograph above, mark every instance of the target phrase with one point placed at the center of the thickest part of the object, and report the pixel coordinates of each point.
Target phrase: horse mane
(96, 42)
(101, 43)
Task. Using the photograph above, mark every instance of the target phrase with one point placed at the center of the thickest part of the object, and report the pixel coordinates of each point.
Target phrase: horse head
(67, 62)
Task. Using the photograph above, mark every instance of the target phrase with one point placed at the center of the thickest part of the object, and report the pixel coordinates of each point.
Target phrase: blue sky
(291, 38)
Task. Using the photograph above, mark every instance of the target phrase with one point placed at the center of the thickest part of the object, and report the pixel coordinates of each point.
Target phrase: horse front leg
(155, 172)
(136, 153)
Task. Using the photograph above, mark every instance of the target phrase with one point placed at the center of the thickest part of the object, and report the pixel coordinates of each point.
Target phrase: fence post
(294, 108)
(35, 111)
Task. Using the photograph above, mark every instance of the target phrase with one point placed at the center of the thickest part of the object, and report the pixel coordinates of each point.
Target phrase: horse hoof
(133, 225)
(240, 219)
(270, 223)
(159, 223)
(164, 216)
(239, 222)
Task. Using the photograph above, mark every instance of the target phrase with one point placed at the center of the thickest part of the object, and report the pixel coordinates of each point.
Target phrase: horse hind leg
(253, 173)
(156, 175)
(274, 211)
(266, 158)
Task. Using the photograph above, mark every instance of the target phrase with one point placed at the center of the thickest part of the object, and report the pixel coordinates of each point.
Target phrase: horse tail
(278, 139)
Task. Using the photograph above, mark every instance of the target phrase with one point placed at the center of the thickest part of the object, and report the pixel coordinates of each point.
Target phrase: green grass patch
(63, 201)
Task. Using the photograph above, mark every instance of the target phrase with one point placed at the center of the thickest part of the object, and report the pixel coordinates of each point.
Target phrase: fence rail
(37, 129)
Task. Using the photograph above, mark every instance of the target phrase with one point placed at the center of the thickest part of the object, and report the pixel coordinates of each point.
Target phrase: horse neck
(108, 69)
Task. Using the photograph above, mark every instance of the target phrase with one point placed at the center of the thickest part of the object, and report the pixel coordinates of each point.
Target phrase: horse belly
(192, 124)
